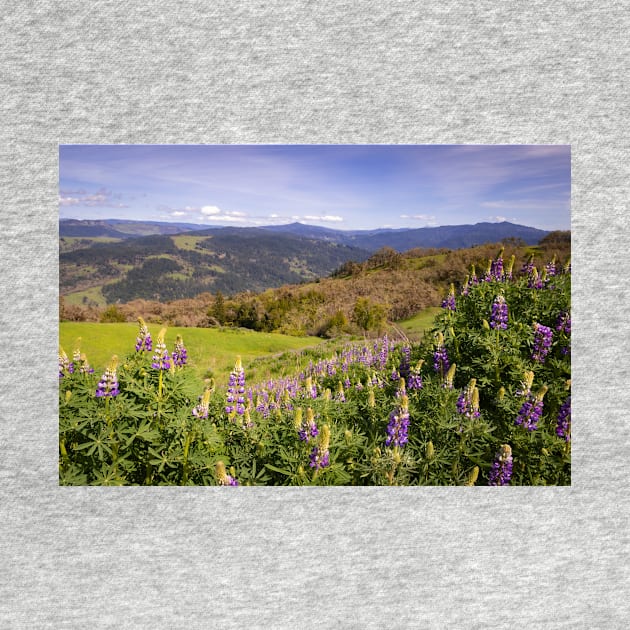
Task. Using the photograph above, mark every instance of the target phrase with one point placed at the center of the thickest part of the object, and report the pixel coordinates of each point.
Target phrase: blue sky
(338, 186)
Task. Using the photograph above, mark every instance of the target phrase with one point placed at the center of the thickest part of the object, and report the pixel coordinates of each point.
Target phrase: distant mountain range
(117, 261)
(401, 239)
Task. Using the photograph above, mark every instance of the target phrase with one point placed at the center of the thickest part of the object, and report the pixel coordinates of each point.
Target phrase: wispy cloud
(100, 199)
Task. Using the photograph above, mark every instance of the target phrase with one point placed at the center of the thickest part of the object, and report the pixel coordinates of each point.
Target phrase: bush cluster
(483, 400)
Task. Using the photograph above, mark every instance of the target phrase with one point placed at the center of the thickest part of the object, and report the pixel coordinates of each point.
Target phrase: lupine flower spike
(143, 340)
(201, 410)
(499, 315)
(161, 359)
(563, 428)
(450, 376)
(415, 380)
(108, 385)
(441, 363)
(531, 410)
(180, 354)
(85, 366)
(222, 476)
(501, 471)
(65, 365)
(488, 275)
(468, 401)
(320, 455)
(526, 384)
(398, 427)
(307, 429)
(466, 286)
(449, 301)
(509, 267)
(543, 336)
(496, 268)
(76, 353)
(528, 267)
(236, 390)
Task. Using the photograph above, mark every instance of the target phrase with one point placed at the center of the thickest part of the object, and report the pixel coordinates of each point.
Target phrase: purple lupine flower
(414, 381)
(531, 410)
(563, 428)
(499, 315)
(398, 427)
(550, 268)
(563, 323)
(468, 401)
(501, 471)
(180, 354)
(108, 385)
(528, 267)
(307, 429)
(382, 356)
(534, 280)
(143, 340)
(65, 365)
(320, 455)
(319, 458)
(441, 362)
(236, 390)
(403, 369)
(496, 267)
(543, 337)
(449, 301)
(161, 358)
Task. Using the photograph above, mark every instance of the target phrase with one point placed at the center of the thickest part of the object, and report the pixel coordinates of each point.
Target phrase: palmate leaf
(282, 471)
(144, 432)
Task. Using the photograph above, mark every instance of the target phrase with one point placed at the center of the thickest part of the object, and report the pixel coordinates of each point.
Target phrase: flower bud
(472, 478)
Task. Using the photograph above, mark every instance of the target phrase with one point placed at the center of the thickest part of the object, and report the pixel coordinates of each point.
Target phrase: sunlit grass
(211, 351)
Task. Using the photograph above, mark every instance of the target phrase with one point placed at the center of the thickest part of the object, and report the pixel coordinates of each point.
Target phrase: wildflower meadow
(483, 399)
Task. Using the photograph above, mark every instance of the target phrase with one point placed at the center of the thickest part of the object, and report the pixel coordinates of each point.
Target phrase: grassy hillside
(211, 352)
(391, 287)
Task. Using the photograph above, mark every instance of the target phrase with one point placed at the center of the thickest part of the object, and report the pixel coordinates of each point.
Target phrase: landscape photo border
(458, 160)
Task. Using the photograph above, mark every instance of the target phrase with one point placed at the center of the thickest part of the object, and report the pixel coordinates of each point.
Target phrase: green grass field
(211, 351)
(415, 326)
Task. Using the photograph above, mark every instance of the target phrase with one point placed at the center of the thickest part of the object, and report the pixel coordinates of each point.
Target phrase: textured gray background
(301, 72)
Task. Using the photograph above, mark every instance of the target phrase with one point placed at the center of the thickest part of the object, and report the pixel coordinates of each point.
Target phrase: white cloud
(178, 213)
(101, 198)
(210, 210)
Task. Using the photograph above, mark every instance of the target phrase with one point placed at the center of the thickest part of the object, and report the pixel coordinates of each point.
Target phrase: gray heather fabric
(304, 72)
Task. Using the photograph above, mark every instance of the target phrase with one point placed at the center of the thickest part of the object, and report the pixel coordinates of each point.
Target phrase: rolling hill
(115, 261)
